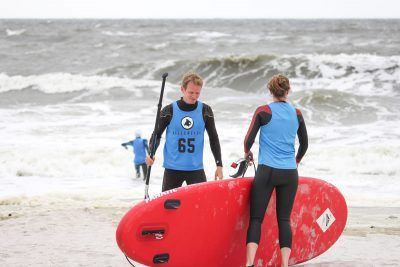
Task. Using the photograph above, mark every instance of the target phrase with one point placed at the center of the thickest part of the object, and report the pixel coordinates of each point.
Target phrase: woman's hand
(249, 157)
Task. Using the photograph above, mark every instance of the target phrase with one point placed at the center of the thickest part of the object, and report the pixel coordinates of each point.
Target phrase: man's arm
(208, 117)
(212, 134)
(165, 119)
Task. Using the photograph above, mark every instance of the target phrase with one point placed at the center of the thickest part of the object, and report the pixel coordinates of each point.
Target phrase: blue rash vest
(139, 148)
(183, 150)
(277, 137)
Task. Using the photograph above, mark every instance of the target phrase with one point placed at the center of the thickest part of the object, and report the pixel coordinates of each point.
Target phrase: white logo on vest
(187, 123)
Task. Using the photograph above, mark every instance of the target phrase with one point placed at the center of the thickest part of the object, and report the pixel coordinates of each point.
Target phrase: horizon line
(215, 18)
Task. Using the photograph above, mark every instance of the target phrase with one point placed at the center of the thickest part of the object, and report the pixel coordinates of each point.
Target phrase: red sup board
(206, 225)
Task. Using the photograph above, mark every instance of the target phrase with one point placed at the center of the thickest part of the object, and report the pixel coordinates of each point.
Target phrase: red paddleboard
(206, 225)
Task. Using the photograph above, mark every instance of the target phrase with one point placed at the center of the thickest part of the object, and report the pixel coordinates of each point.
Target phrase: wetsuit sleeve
(303, 137)
(209, 121)
(130, 143)
(261, 117)
(165, 119)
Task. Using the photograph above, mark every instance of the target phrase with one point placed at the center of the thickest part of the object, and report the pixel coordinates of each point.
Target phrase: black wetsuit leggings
(174, 179)
(265, 181)
(144, 169)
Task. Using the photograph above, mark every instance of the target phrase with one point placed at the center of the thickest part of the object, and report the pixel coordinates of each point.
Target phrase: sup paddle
(154, 136)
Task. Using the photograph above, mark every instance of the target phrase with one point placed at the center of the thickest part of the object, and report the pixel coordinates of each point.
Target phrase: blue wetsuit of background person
(140, 150)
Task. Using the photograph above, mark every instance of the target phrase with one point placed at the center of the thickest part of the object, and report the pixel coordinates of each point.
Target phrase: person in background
(186, 120)
(278, 123)
(140, 150)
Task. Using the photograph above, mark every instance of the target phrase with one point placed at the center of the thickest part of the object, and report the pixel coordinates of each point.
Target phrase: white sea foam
(275, 37)
(358, 74)
(35, 52)
(204, 34)
(56, 150)
(160, 46)
(361, 74)
(15, 32)
(66, 82)
(120, 33)
(205, 37)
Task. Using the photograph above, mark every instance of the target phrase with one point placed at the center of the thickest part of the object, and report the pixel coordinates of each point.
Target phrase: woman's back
(277, 137)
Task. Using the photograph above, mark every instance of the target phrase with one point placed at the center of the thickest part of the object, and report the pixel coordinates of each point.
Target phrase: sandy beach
(83, 235)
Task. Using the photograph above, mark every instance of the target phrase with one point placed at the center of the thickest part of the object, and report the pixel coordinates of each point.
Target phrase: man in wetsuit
(140, 149)
(185, 121)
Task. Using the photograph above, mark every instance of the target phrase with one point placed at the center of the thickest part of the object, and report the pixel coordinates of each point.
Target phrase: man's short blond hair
(192, 77)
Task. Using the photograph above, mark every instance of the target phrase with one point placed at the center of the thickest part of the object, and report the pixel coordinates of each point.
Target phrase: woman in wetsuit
(278, 123)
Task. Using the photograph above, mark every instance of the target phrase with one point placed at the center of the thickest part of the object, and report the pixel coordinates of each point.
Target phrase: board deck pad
(206, 225)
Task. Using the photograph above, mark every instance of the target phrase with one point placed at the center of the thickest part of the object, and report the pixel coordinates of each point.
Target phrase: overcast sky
(200, 9)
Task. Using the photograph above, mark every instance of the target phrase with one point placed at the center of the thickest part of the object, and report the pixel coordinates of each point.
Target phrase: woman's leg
(285, 254)
(285, 195)
(261, 191)
(251, 250)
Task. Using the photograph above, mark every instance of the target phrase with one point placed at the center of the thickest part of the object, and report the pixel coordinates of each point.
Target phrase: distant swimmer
(140, 150)
(186, 120)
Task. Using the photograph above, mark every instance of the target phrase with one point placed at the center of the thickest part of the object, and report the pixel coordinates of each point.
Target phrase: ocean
(71, 91)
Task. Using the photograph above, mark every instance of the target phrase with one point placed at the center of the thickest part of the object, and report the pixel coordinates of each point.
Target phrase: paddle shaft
(154, 135)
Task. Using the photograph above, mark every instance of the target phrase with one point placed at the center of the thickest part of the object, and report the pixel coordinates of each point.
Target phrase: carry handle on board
(153, 232)
(161, 258)
(172, 204)
(157, 259)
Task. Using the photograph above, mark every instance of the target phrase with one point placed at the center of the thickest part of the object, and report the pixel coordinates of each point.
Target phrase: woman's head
(279, 86)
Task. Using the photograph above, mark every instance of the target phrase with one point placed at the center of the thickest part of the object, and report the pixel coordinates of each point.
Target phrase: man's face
(191, 93)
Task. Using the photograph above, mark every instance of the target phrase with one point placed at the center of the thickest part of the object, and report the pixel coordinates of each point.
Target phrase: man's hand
(218, 173)
(150, 161)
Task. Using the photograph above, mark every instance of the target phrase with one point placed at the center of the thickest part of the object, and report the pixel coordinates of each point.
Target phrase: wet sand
(52, 235)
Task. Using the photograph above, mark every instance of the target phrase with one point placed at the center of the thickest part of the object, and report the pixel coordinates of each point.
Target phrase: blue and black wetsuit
(278, 124)
(140, 150)
(183, 151)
